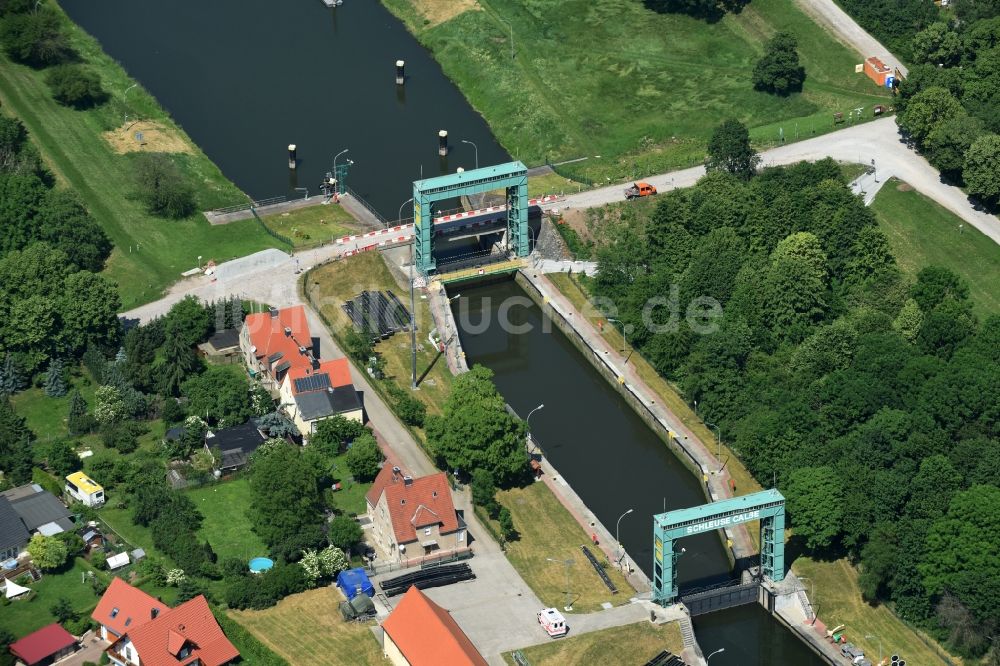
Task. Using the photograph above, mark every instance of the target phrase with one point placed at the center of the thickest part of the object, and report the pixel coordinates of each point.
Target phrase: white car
(553, 622)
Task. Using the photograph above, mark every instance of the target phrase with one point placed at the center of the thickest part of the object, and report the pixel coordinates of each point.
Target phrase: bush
(779, 71)
(345, 533)
(364, 457)
(162, 187)
(411, 411)
(77, 86)
(99, 559)
(35, 38)
(484, 491)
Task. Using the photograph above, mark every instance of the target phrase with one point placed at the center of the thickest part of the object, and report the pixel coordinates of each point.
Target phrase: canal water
(245, 78)
(611, 458)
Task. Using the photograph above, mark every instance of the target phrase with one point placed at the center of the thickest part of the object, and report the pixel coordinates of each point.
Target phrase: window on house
(461, 536)
(114, 613)
(427, 531)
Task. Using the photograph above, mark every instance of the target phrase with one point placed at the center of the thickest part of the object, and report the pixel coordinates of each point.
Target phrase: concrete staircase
(687, 632)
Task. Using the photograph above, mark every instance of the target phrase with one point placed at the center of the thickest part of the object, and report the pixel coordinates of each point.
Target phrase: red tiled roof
(267, 334)
(43, 643)
(428, 635)
(425, 501)
(338, 370)
(134, 607)
(158, 642)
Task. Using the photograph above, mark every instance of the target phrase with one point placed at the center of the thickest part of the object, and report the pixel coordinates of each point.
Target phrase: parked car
(553, 622)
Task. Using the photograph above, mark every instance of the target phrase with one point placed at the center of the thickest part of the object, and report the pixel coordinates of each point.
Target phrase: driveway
(836, 21)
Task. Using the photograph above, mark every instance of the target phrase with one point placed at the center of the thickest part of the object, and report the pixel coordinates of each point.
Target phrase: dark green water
(247, 77)
(611, 458)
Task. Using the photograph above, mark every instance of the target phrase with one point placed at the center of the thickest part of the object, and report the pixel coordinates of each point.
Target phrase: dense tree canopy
(219, 396)
(476, 431)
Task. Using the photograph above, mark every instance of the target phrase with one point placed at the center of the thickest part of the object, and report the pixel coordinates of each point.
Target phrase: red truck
(639, 189)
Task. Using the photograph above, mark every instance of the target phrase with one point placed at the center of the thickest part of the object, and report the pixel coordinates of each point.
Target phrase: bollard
(291, 156)
(443, 143)
(400, 74)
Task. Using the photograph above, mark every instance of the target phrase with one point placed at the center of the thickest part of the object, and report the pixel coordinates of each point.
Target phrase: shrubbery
(162, 187)
(75, 85)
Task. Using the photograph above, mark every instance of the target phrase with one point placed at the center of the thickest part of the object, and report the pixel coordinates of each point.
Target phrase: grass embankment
(635, 91)
(150, 253)
(308, 630)
(922, 233)
(631, 644)
(835, 583)
(838, 601)
(547, 530)
(226, 526)
(331, 285)
(313, 225)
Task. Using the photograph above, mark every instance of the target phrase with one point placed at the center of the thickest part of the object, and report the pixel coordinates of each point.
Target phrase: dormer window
(114, 613)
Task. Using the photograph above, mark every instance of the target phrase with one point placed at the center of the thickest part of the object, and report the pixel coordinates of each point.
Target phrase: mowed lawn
(631, 644)
(313, 225)
(226, 526)
(308, 630)
(331, 285)
(838, 601)
(23, 617)
(150, 253)
(635, 91)
(548, 530)
(922, 233)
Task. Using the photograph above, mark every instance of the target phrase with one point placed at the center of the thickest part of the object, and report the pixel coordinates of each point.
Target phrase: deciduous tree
(982, 168)
(729, 150)
(779, 70)
(47, 552)
(364, 457)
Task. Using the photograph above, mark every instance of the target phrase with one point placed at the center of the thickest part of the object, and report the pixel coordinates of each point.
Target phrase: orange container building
(877, 71)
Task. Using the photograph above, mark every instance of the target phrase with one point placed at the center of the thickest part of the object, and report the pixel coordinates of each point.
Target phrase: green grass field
(150, 253)
(631, 644)
(313, 225)
(639, 89)
(308, 630)
(226, 526)
(549, 531)
(923, 233)
(23, 617)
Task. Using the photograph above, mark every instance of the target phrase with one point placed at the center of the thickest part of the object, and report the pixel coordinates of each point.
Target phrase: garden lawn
(313, 225)
(922, 234)
(308, 630)
(47, 416)
(331, 285)
(350, 499)
(631, 644)
(23, 617)
(150, 253)
(226, 527)
(635, 91)
(838, 601)
(547, 530)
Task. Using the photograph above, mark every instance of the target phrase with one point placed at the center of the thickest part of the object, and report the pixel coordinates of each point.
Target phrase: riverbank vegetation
(858, 387)
(149, 252)
(647, 99)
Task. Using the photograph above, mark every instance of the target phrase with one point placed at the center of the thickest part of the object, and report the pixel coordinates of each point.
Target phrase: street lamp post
(124, 95)
(335, 174)
(618, 540)
(624, 339)
(718, 437)
(714, 653)
(476, 149)
(569, 602)
(871, 636)
(874, 170)
(413, 323)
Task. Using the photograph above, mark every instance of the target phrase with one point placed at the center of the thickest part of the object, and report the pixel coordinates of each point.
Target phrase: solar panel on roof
(312, 383)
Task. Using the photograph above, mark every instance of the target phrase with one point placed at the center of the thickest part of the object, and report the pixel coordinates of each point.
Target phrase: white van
(553, 622)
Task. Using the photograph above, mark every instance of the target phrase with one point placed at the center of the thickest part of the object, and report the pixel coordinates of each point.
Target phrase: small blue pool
(260, 564)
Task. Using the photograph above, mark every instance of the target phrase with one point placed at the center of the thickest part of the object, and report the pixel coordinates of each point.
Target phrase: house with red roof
(319, 391)
(45, 646)
(275, 342)
(144, 632)
(418, 632)
(413, 518)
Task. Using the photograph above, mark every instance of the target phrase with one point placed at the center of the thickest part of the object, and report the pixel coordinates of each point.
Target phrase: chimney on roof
(395, 472)
(408, 480)
(302, 350)
(273, 312)
(288, 331)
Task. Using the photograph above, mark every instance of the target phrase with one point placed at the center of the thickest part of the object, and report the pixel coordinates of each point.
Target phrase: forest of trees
(870, 398)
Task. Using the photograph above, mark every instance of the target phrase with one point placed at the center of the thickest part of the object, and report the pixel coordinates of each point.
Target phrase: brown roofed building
(412, 518)
(418, 632)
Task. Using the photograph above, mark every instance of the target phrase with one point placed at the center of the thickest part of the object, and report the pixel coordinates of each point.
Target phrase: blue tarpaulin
(353, 581)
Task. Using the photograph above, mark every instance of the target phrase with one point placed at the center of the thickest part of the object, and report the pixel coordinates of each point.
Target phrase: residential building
(276, 341)
(45, 646)
(122, 608)
(144, 632)
(318, 391)
(14, 536)
(82, 488)
(234, 445)
(39, 510)
(412, 518)
(418, 632)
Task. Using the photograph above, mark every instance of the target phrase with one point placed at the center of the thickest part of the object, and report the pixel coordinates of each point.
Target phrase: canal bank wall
(616, 378)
